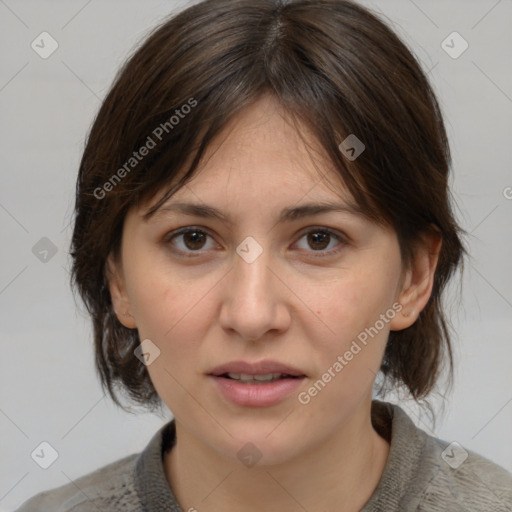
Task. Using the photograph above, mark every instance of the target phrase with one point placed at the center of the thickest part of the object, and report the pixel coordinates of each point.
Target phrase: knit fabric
(422, 474)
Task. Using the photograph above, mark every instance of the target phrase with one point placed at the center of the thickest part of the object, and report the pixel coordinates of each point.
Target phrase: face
(313, 295)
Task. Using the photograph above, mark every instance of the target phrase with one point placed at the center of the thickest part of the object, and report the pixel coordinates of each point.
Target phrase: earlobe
(419, 281)
(118, 295)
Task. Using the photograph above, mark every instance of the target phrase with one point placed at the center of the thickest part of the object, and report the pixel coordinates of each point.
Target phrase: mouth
(261, 371)
(266, 378)
(260, 384)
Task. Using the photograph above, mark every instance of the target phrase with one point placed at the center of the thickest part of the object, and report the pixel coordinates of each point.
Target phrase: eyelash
(317, 254)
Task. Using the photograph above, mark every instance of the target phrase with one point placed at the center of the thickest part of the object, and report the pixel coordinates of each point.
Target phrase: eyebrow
(286, 215)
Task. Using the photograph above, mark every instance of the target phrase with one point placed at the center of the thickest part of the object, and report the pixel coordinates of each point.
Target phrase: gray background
(48, 387)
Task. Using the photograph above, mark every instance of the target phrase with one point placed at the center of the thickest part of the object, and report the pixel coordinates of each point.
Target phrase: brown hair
(336, 68)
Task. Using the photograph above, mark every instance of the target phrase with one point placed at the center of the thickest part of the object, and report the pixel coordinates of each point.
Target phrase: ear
(418, 280)
(118, 293)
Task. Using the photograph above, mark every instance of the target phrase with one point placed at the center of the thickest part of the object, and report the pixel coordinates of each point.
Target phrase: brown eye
(194, 239)
(318, 240)
(322, 241)
(189, 241)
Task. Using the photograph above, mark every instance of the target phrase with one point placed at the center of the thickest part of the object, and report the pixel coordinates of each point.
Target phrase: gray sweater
(422, 474)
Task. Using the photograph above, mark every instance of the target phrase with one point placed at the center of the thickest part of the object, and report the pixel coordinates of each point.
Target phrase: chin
(255, 444)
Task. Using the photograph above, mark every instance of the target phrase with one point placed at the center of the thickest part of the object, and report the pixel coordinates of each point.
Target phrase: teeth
(269, 377)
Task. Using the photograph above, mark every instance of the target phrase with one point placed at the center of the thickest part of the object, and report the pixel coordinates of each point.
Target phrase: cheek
(352, 308)
(172, 313)
(171, 310)
(353, 303)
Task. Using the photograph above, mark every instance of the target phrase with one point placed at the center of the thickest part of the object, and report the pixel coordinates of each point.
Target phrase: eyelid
(335, 232)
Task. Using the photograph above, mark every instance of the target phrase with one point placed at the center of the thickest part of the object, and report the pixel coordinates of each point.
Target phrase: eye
(189, 240)
(319, 239)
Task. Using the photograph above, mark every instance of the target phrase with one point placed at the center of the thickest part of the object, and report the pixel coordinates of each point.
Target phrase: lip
(257, 368)
(256, 395)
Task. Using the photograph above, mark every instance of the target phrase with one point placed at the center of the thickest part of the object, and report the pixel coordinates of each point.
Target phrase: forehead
(263, 153)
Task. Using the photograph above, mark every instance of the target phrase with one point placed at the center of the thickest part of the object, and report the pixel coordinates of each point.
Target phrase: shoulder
(427, 474)
(108, 488)
(463, 479)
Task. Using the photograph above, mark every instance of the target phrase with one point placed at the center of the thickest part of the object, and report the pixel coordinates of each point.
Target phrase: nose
(254, 299)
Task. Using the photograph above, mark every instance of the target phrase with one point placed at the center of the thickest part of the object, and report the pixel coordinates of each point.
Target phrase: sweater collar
(151, 483)
(407, 443)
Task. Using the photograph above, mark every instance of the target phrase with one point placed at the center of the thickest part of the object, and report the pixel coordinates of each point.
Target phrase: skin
(289, 305)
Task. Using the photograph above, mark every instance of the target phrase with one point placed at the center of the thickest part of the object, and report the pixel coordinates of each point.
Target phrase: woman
(262, 224)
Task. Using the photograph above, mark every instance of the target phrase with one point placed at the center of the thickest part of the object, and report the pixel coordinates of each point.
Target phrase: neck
(339, 473)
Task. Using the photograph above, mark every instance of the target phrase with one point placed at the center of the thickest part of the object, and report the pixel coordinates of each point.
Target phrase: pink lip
(259, 368)
(261, 394)
(256, 395)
